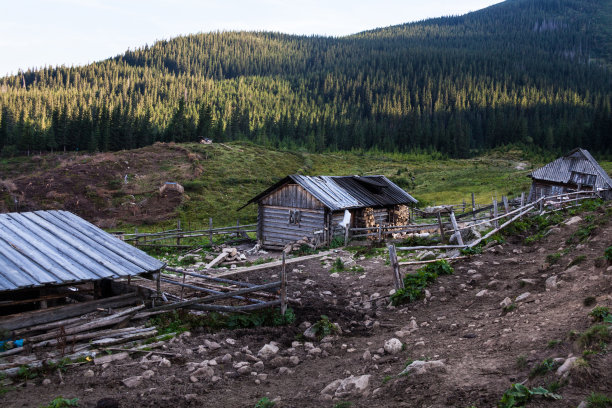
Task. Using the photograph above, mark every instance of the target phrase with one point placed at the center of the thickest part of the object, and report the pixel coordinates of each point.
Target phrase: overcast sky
(35, 33)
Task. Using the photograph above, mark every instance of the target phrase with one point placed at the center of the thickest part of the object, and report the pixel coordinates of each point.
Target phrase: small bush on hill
(415, 283)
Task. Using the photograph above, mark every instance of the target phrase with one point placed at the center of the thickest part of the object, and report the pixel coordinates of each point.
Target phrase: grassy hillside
(220, 178)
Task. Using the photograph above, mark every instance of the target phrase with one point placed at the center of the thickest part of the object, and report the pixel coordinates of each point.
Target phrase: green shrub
(608, 254)
(599, 313)
(577, 260)
(324, 327)
(553, 258)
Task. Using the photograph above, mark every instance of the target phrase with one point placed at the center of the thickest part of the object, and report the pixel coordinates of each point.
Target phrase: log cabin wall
(289, 214)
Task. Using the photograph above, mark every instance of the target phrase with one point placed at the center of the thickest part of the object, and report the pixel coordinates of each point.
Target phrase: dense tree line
(535, 72)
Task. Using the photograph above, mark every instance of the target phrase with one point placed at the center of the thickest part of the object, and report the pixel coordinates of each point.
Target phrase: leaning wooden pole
(456, 228)
(397, 280)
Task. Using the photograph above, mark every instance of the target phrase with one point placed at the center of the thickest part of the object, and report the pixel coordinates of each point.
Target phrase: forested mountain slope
(535, 72)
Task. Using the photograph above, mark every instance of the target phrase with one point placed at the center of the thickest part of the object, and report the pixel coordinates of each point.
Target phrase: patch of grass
(595, 337)
(518, 396)
(260, 261)
(581, 234)
(61, 402)
(553, 343)
(521, 362)
(26, 373)
(415, 283)
(324, 327)
(509, 308)
(387, 378)
(337, 266)
(577, 260)
(265, 402)
(553, 258)
(543, 368)
(343, 404)
(596, 400)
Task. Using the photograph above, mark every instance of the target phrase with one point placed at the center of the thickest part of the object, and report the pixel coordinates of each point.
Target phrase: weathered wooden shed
(304, 206)
(576, 171)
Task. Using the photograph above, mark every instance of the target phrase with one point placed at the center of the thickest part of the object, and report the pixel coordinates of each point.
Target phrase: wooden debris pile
(75, 331)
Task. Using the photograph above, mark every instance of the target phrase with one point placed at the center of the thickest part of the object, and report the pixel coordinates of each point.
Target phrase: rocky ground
(499, 316)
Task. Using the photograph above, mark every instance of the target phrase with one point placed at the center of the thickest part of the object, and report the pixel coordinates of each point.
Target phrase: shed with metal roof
(307, 206)
(577, 170)
(46, 249)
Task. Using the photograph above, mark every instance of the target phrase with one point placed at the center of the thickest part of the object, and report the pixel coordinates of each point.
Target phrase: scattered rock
(46, 381)
(551, 283)
(393, 346)
(205, 373)
(522, 296)
(212, 345)
(268, 351)
(482, 293)
(88, 374)
(422, 367)
(506, 302)
(132, 382)
(164, 362)
(148, 374)
(565, 367)
(351, 386)
(573, 220)
(530, 282)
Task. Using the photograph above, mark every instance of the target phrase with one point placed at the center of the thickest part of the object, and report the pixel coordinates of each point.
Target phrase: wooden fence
(543, 205)
(172, 238)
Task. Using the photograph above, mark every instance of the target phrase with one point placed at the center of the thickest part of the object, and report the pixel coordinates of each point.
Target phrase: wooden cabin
(576, 171)
(315, 207)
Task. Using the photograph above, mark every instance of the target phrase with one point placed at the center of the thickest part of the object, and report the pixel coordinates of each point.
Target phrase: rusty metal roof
(577, 161)
(57, 247)
(344, 192)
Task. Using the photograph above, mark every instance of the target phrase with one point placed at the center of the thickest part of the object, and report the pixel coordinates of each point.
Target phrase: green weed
(265, 402)
(553, 258)
(577, 260)
(61, 402)
(518, 396)
(543, 368)
(553, 343)
(324, 327)
(599, 313)
(608, 254)
(415, 283)
(595, 338)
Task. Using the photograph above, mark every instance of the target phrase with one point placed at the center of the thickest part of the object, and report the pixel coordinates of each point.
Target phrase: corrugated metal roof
(578, 160)
(344, 192)
(56, 247)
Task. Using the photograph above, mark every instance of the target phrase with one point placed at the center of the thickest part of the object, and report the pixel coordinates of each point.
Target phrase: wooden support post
(505, 199)
(473, 207)
(397, 280)
(158, 283)
(210, 231)
(442, 237)
(183, 287)
(380, 232)
(238, 228)
(464, 205)
(346, 235)
(283, 287)
(522, 198)
(456, 228)
(542, 203)
(495, 212)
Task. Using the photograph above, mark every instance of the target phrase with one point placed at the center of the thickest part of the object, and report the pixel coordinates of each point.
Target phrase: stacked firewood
(369, 221)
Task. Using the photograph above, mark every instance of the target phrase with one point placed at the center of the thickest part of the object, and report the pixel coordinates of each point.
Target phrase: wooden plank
(430, 247)
(245, 308)
(456, 228)
(217, 260)
(272, 264)
(64, 312)
(432, 261)
(443, 238)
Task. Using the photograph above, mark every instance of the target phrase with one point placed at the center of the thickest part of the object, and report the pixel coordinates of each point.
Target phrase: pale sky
(35, 33)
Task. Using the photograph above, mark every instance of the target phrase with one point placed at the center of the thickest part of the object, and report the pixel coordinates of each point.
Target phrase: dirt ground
(483, 348)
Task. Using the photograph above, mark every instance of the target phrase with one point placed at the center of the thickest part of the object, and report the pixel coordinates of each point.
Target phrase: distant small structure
(576, 171)
(171, 186)
(320, 207)
(206, 141)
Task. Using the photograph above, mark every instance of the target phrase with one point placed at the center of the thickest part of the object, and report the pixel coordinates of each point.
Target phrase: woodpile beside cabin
(576, 171)
(318, 207)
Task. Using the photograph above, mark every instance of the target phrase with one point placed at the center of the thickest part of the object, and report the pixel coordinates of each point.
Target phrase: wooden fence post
(379, 232)
(505, 199)
(464, 205)
(456, 228)
(346, 235)
(210, 231)
(473, 207)
(237, 228)
(495, 213)
(397, 281)
(283, 287)
(443, 238)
